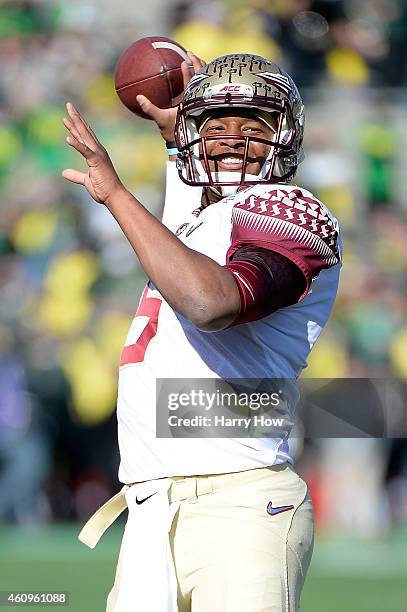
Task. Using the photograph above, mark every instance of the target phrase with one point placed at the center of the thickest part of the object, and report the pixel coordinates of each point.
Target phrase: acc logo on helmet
(245, 91)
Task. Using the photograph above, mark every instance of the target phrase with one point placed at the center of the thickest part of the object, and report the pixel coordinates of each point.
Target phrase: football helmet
(252, 85)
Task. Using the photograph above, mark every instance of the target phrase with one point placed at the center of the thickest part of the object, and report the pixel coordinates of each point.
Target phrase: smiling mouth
(227, 162)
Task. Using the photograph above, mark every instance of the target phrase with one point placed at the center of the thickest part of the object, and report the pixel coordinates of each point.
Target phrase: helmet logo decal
(231, 88)
(239, 91)
(279, 81)
(195, 81)
(239, 61)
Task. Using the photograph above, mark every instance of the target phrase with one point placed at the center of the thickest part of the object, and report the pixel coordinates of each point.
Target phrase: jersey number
(148, 307)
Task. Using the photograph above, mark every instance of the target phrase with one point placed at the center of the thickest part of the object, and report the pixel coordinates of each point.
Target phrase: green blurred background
(345, 575)
(69, 282)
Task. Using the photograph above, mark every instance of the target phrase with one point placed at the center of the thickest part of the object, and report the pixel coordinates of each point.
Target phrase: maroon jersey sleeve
(266, 281)
(290, 223)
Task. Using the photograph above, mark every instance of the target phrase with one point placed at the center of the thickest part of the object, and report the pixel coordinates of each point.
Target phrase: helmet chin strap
(225, 190)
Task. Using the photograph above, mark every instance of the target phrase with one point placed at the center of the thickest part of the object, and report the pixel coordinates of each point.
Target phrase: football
(151, 66)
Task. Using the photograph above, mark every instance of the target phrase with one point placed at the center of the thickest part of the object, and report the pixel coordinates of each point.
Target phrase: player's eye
(253, 128)
(214, 128)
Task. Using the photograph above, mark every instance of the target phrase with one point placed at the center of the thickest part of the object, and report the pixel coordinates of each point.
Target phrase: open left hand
(165, 117)
(101, 179)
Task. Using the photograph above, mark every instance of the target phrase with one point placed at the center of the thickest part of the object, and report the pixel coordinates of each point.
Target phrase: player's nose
(233, 139)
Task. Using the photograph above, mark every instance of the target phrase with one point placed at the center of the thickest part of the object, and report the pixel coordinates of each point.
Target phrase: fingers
(76, 141)
(187, 73)
(74, 176)
(148, 107)
(80, 146)
(197, 62)
(159, 115)
(81, 136)
(81, 130)
(71, 128)
(188, 70)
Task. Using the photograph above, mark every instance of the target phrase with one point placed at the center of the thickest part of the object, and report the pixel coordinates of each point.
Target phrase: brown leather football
(151, 66)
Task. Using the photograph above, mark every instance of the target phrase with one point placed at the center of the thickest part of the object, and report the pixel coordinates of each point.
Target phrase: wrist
(116, 194)
(171, 148)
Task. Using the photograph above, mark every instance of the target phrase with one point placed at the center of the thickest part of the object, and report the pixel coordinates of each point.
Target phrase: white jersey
(161, 344)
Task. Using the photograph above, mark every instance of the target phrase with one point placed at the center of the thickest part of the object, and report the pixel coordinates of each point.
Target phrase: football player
(243, 273)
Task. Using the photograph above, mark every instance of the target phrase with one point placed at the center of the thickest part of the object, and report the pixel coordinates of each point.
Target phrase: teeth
(231, 160)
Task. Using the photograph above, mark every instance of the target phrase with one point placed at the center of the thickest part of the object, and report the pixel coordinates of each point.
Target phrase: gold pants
(241, 542)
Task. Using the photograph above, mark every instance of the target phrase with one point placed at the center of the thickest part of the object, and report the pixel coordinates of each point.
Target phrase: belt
(103, 518)
(181, 488)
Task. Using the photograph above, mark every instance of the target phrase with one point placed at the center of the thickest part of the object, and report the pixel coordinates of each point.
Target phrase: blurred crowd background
(69, 282)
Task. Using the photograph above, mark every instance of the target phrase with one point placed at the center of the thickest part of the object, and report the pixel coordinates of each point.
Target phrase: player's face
(226, 154)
